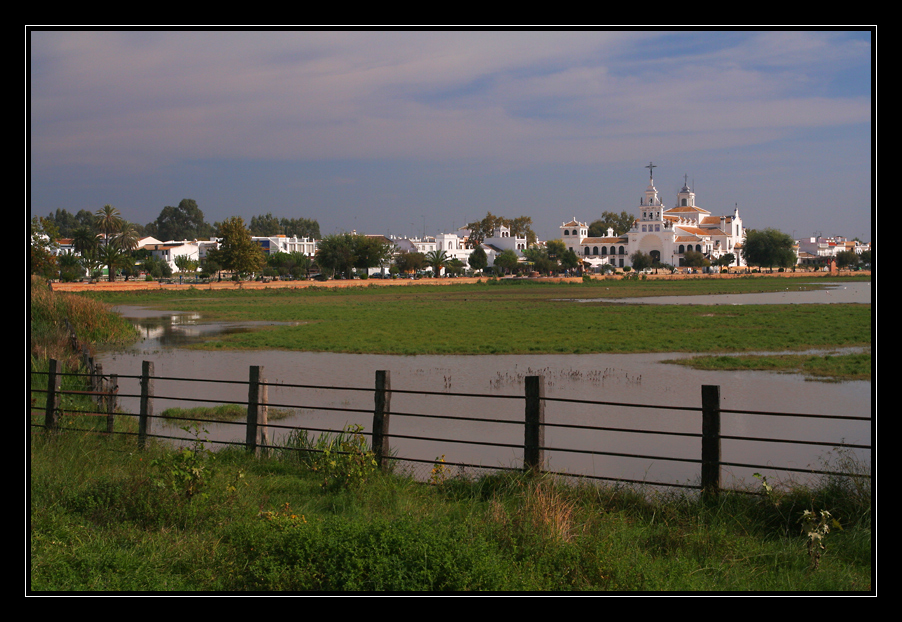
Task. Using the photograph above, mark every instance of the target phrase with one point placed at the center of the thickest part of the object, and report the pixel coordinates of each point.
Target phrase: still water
(623, 378)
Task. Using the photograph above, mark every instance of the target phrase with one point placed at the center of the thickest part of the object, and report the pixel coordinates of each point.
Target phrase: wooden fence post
(257, 414)
(51, 410)
(533, 452)
(381, 417)
(711, 481)
(112, 391)
(97, 385)
(146, 406)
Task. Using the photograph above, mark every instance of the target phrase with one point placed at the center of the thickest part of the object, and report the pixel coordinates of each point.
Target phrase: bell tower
(651, 206)
(686, 198)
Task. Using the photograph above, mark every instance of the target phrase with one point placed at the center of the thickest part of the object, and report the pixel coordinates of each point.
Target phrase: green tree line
(185, 221)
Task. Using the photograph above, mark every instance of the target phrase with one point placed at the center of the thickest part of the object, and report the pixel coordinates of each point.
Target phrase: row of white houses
(665, 234)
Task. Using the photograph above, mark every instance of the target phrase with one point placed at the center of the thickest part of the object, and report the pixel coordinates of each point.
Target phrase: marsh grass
(220, 412)
(518, 318)
(826, 367)
(91, 319)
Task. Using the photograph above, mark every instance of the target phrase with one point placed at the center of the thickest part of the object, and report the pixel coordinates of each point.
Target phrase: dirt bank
(151, 285)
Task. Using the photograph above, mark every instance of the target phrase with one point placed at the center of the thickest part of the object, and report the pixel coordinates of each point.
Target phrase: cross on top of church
(650, 171)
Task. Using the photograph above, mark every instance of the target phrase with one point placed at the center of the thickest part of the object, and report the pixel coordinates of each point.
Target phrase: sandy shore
(175, 285)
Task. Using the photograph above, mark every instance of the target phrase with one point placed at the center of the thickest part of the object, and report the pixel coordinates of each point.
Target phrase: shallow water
(632, 378)
(835, 293)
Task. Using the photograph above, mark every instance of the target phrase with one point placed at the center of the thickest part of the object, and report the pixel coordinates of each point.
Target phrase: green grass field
(519, 318)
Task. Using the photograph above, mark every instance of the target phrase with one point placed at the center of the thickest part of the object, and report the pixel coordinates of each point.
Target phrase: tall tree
(844, 259)
(265, 226)
(108, 221)
(343, 252)
(84, 240)
(540, 259)
(184, 222)
(621, 223)
(768, 248)
(478, 260)
(569, 260)
(337, 253)
(44, 247)
(410, 262)
(485, 228)
(555, 248)
(507, 261)
(110, 224)
(301, 228)
(640, 261)
(372, 251)
(695, 259)
(301, 264)
(237, 252)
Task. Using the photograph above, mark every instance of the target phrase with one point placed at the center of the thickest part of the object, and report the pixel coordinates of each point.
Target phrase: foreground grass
(517, 318)
(107, 517)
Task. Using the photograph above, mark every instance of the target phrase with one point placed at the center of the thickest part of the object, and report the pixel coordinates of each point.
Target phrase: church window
(682, 249)
(604, 251)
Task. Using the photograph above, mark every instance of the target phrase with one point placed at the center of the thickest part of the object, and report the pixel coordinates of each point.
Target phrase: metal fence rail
(533, 424)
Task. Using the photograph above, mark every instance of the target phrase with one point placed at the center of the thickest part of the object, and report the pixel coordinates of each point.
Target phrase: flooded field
(621, 378)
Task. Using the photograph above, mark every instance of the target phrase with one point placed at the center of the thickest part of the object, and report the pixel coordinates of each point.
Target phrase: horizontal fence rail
(532, 425)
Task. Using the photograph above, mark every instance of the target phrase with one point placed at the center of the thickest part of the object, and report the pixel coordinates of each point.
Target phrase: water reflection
(173, 329)
(621, 378)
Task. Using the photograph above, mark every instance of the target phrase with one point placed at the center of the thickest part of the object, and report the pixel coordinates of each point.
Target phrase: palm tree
(108, 221)
(84, 241)
(436, 260)
(71, 267)
(127, 237)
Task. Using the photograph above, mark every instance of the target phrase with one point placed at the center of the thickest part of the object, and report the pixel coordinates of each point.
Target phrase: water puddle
(835, 293)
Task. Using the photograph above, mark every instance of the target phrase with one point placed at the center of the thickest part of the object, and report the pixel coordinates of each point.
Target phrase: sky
(411, 132)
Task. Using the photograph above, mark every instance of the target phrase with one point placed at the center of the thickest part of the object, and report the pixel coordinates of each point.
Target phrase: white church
(664, 234)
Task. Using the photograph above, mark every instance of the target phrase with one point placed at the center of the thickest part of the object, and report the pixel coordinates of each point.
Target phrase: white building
(168, 251)
(502, 240)
(826, 247)
(284, 244)
(665, 234)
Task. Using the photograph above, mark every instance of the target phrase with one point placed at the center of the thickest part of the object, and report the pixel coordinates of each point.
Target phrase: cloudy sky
(405, 132)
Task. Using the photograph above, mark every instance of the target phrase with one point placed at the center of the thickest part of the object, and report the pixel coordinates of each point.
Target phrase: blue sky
(401, 132)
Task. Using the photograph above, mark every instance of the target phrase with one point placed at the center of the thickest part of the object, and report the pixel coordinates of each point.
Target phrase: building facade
(665, 234)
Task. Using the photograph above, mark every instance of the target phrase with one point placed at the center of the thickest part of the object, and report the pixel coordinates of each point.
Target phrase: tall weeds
(91, 319)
